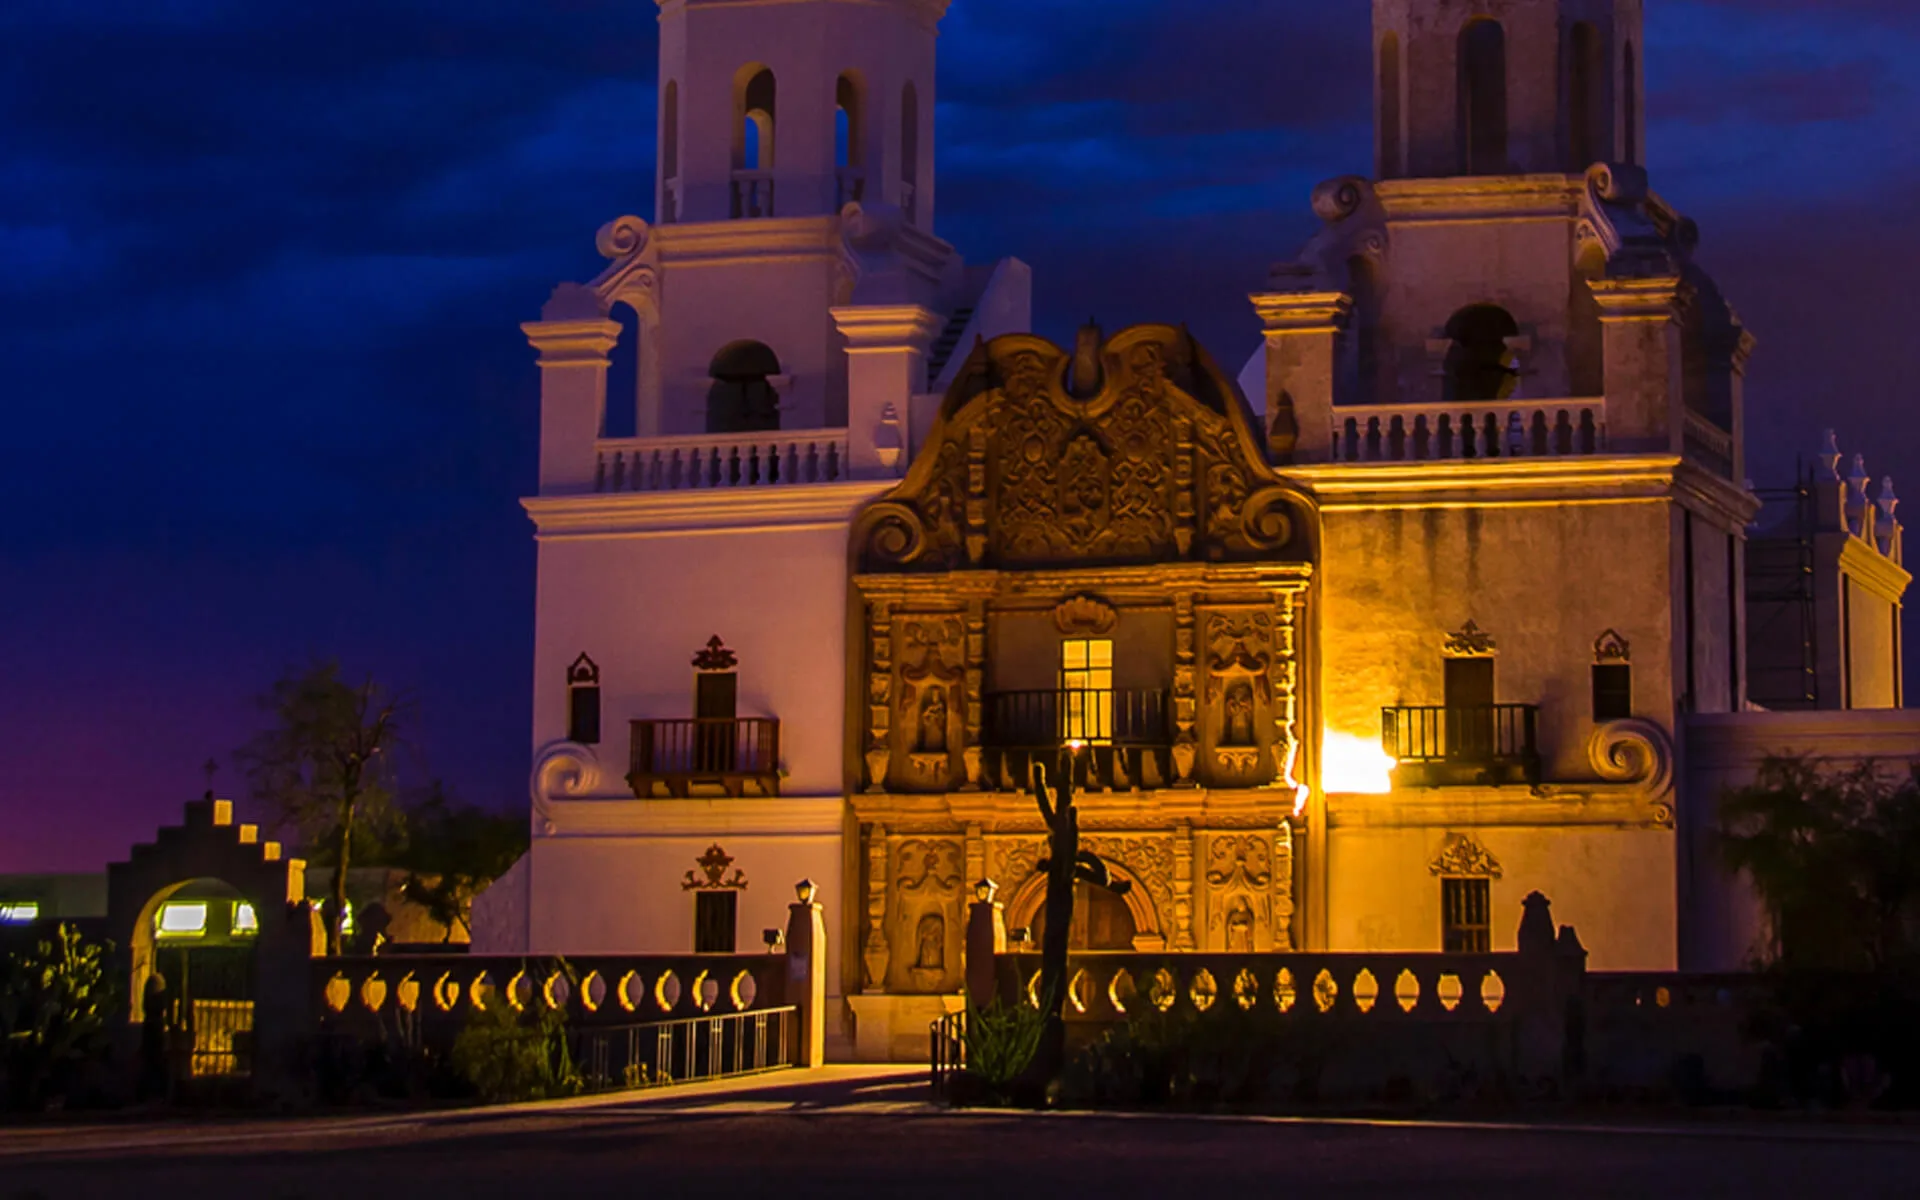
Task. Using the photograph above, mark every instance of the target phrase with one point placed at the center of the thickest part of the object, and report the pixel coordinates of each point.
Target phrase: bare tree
(323, 769)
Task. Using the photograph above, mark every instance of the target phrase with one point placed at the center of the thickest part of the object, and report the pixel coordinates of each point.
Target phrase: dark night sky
(261, 267)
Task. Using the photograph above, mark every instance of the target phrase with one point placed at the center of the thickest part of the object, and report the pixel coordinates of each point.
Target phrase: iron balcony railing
(728, 751)
(1463, 743)
(1048, 719)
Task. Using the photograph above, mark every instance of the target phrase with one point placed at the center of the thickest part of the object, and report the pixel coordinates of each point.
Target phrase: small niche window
(1465, 927)
(583, 702)
(1481, 364)
(1612, 678)
(1086, 685)
(715, 915)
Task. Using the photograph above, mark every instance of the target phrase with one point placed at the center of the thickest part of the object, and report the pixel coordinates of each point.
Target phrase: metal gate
(210, 1027)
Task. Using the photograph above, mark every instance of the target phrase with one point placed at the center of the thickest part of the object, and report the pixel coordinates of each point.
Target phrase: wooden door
(715, 736)
(1469, 700)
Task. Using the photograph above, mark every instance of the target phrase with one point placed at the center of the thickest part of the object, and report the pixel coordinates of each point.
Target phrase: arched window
(754, 143)
(1480, 364)
(1586, 345)
(1364, 328)
(1586, 100)
(670, 153)
(1389, 110)
(909, 150)
(849, 140)
(583, 702)
(621, 417)
(742, 399)
(1483, 98)
(1630, 84)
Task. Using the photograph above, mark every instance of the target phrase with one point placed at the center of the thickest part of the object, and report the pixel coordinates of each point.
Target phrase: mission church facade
(1351, 652)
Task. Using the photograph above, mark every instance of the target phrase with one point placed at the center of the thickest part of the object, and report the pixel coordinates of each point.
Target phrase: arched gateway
(1089, 565)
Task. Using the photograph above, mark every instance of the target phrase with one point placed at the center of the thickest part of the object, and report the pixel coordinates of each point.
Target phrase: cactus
(1066, 863)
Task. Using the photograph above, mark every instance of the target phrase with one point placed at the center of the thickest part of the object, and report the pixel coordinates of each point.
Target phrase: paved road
(876, 1140)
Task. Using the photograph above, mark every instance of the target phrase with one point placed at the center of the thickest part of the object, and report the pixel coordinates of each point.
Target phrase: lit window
(1086, 678)
(181, 920)
(19, 912)
(245, 920)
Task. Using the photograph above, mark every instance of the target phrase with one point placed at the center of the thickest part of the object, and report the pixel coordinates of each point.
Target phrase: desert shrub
(1001, 1041)
(56, 999)
(504, 1056)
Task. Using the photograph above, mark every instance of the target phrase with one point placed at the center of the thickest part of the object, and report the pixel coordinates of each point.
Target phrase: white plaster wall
(643, 604)
(1615, 887)
(622, 894)
(1543, 580)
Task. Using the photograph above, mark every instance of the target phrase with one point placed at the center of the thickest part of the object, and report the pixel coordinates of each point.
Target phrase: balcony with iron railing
(728, 754)
(1443, 745)
(1120, 737)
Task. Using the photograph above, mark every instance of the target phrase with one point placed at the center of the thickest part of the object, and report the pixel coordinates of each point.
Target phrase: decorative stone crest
(714, 864)
(583, 671)
(1461, 856)
(1470, 642)
(715, 657)
(1610, 647)
(1084, 616)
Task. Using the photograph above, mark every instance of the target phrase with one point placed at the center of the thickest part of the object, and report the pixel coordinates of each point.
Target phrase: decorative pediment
(1470, 641)
(1084, 616)
(1610, 647)
(715, 657)
(713, 866)
(1133, 450)
(583, 672)
(1461, 856)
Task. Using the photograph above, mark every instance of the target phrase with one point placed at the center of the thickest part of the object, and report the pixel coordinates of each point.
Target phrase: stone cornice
(929, 12)
(721, 817)
(717, 510)
(1652, 298)
(1156, 579)
(1599, 806)
(871, 328)
(1359, 487)
(1283, 313)
(702, 243)
(572, 343)
(1874, 571)
(1479, 199)
(1161, 811)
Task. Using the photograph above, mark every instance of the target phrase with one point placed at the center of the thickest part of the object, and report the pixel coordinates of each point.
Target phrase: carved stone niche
(927, 932)
(1237, 711)
(1249, 905)
(929, 729)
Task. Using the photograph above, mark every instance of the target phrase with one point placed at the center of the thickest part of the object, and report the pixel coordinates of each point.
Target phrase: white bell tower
(795, 108)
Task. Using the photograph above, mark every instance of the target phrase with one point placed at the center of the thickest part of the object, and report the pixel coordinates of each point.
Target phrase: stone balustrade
(443, 989)
(775, 458)
(1467, 431)
(1111, 987)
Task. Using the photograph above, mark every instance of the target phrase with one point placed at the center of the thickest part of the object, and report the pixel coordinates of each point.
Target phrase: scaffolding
(1782, 638)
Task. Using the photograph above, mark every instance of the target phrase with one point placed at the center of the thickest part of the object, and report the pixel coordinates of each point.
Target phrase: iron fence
(948, 1051)
(712, 1047)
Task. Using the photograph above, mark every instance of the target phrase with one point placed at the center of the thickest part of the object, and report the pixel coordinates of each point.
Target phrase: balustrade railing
(1463, 743)
(1111, 987)
(1488, 429)
(1708, 444)
(728, 751)
(721, 460)
(752, 193)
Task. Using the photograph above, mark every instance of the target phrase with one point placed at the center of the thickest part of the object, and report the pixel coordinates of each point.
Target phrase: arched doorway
(1101, 920)
(193, 948)
(1481, 364)
(742, 399)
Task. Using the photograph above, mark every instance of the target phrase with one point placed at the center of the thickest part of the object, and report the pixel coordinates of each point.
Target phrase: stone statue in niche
(1238, 730)
(1240, 926)
(932, 939)
(933, 721)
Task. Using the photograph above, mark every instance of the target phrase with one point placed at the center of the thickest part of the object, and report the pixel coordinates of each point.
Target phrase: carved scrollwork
(1267, 521)
(563, 771)
(894, 535)
(1633, 751)
(1470, 641)
(1461, 856)
(1610, 647)
(622, 237)
(1337, 199)
(1083, 616)
(1618, 183)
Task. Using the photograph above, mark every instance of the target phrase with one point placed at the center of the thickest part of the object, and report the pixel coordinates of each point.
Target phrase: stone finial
(1859, 521)
(1888, 526)
(1829, 455)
